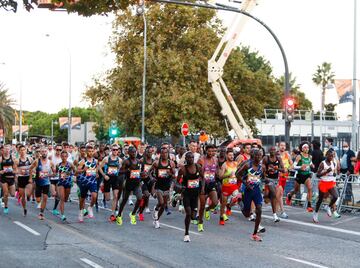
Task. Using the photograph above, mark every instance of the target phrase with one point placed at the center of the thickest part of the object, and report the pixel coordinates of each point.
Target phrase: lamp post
(354, 139)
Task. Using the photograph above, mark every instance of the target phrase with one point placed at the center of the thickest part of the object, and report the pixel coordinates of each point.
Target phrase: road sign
(185, 129)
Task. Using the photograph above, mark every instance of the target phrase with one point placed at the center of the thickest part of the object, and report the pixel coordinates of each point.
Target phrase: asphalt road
(296, 242)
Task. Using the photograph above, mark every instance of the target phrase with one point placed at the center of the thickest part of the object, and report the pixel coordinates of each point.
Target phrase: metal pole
(20, 119)
(312, 125)
(321, 125)
(52, 132)
(184, 141)
(144, 83)
(69, 116)
(354, 121)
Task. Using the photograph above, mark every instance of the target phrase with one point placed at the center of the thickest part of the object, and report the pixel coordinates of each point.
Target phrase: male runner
(7, 172)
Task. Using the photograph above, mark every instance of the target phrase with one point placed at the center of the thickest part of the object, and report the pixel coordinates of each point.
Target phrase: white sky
(311, 32)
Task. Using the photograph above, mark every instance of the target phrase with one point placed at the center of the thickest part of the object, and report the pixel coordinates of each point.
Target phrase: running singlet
(163, 176)
(8, 166)
(64, 172)
(209, 171)
(145, 167)
(330, 176)
(272, 168)
(42, 173)
(191, 182)
(56, 161)
(304, 161)
(112, 167)
(89, 176)
(134, 173)
(24, 168)
(253, 176)
(230, 178)
(286, 160)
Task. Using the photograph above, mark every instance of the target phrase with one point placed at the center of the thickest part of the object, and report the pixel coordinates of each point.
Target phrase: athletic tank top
(163, 177)
(285, 157)
(272, 168)
(42, 173)
(230, 178)
(209, 170)
(64, 171)
(24, 167)
(145, 167)
(89, 175)
(252, 175)
(8, 166)
(330, 176)
(112, 167)
(134, 173)
(304, 161)
(191, 182)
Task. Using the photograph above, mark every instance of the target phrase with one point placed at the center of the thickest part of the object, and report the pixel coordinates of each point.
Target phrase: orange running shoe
(141, 217)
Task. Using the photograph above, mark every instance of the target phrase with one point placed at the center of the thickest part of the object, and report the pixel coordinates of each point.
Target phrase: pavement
(295, 242)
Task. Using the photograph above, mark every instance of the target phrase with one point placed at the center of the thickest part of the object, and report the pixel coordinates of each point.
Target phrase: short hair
(210, 146)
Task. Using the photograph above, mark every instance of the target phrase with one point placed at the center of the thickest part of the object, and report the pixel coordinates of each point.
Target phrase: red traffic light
(290, 102)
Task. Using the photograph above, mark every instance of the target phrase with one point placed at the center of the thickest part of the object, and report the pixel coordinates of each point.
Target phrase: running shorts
(44, 189)
(228, 190)
(252, 195)
(23, 181)
(190, 200)
(325, 186)
(301, 179)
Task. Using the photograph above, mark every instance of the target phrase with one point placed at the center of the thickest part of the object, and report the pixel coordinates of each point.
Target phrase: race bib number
(230, 181)
(147, 168)
(192, 184)
(112, 170)
(135, 174)
(209, 176)
(43, 174)
(254, 179)
(8, 169)
(163, 173)
(24, 171)
(63, 175)
(91, 172)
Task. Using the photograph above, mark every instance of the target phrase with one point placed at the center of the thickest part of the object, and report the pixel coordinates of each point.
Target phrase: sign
(185, 129)
(75, 122)
(24, 129)
(344, 90)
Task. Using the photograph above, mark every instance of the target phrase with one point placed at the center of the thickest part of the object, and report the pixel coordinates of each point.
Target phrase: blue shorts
(252, 195)
(65, 183)
(86, 187)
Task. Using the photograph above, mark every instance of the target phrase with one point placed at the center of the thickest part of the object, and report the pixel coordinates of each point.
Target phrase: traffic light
(140, 8)
(289, 109)
(114, 131)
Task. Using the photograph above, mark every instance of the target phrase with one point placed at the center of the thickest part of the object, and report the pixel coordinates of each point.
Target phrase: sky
(311, 32)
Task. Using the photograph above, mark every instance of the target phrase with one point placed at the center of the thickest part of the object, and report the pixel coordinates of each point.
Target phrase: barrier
(349, 200)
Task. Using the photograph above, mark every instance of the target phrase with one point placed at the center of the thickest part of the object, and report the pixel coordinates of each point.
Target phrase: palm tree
(6, 111)
(323, 77)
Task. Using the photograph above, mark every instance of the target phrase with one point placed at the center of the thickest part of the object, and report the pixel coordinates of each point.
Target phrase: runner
(209, 167)
(88, 168)
(109, 169)
(245, 155)
(147, 187)
(44, 169)
(7, 172)
(191, 178)
(132, 169)
(65, 171)
(327, 172)
(250, 172)
(230, 187)
(287, 162)
(303, 164)
(56, 159)
(164, 170)
(272, 165)
(24, 178)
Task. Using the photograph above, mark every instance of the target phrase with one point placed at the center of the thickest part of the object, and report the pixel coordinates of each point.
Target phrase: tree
(180, 42)
(323, 77)
(6, 111)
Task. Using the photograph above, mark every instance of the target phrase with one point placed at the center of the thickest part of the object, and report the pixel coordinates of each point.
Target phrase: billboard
(75, 122)
(344, 90)
(24, 129)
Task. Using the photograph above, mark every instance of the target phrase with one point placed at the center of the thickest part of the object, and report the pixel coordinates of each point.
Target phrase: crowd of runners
(203, 181)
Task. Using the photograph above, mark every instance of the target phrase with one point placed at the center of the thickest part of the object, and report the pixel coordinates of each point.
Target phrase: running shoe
(38, 205)
(131, 203)
(25, 212)
(112, 218)
(310, 209)
(141, 217)
(252, 217)
(181, 209)
(200, 227)
(147, 210)
(85, 212)
(81, 216)
(156, 224)
(276, 218)
(316, 217)
(228, 211)
(283, 215)
(261, 229)
(41, 216)
(186, 238)
(256, 237)
(55, 212)
(90, 211)
(221, 222)
(288, 200)
(207, 215)
(132, 219)
(328, 211)
(155, 213)
(6, 210)
(63, 218)
(119, 220)
(336, 215)
(195, 222)
(225, 217)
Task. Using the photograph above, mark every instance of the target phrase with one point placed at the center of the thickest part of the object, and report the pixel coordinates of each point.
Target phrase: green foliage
(6, 111)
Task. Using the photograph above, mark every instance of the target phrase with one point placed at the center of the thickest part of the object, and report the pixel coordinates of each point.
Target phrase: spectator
(357, 165)
(345, 161)
(317, 155)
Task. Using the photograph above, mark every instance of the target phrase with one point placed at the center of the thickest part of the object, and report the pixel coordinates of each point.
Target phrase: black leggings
(334, 195)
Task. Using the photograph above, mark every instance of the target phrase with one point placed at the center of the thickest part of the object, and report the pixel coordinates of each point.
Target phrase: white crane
(216, 71)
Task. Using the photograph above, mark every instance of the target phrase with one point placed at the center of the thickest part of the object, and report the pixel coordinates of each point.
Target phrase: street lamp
(69, 113)
(140, 10)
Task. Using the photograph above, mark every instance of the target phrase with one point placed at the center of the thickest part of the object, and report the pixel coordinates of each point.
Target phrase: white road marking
(27, 228)
(345, 220)
(177, 228)
(306, 262)
(91, 263)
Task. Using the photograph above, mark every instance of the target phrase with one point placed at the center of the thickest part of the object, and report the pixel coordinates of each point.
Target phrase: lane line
(91, 263)
(27, 228)
(343, 221)
(167, 225)
(306, 262)
(313, 225)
